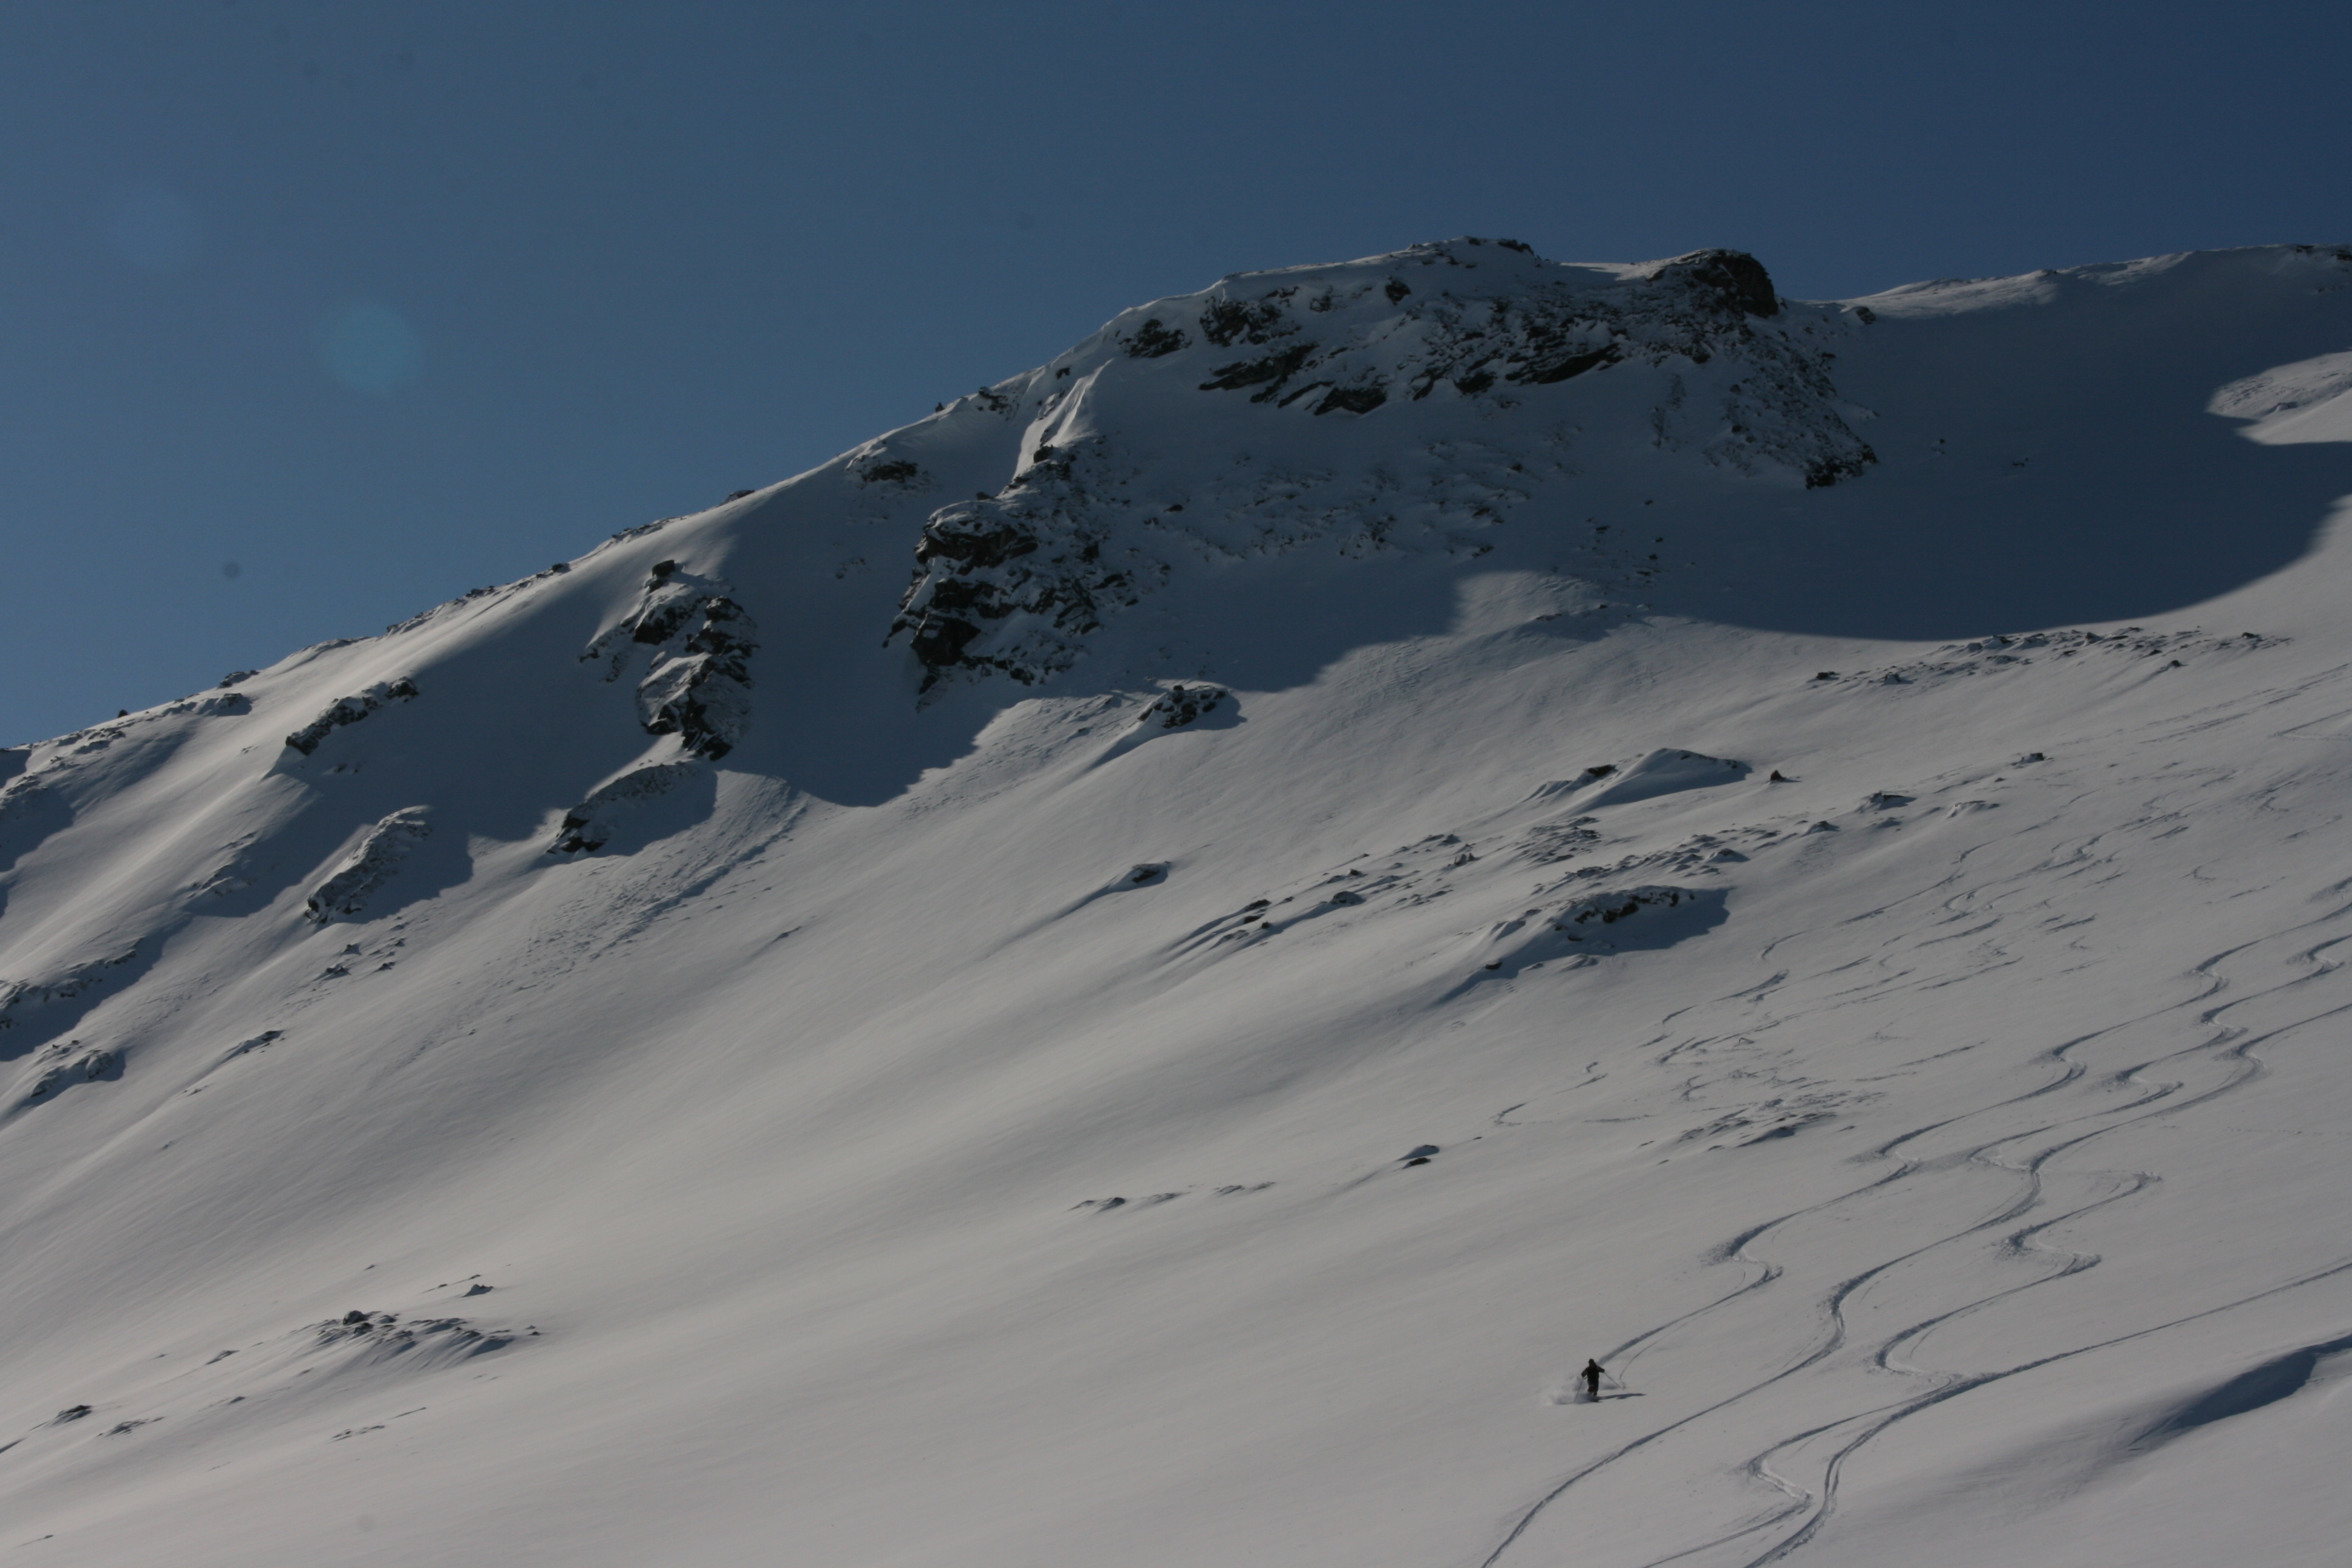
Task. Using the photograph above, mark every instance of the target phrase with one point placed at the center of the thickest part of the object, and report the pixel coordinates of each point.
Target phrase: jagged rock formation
(698, 686)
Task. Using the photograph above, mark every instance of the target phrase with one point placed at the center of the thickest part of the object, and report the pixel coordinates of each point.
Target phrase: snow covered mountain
(1140, 970)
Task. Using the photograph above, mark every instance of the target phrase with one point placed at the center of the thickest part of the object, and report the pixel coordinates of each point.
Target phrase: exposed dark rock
(383, 1336)
(347, 889)
(1226, 322)
(1276, 369)
(1179, 706)
(61, 1066)
(349, 710)
(900, 472)
(1548, 369)
(1736, 277)
(1154, 339)
(1590, 919)
(973, 540)
(703, 695)
(698, 686)
(20, 996)
(1012, 581)
(1826, 471)
(590, 825)
(1691, 309)
(1354, 399)
(1036, 552)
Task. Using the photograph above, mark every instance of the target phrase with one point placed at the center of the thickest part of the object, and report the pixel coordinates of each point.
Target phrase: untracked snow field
(1427, 819)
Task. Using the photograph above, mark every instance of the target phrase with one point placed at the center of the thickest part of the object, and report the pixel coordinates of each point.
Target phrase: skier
(1593, 1375)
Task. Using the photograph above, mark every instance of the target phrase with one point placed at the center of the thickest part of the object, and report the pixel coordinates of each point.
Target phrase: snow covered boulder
(67, 1063)
(368, 868)
(1663, 771)
(1593, 924)
(590, 825)
(19, 997)
(1589, 917)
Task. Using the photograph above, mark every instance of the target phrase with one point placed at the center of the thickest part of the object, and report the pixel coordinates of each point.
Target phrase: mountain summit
(1106, 498)
(1143, 967)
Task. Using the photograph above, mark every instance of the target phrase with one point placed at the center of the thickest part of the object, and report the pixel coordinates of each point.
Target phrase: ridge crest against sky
(858, 786)
(317, 314)
(1143, 966)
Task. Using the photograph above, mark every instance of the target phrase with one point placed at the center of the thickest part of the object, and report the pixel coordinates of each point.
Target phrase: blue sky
(314, 314)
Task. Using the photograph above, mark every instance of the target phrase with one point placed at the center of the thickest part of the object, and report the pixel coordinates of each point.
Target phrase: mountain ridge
(1193, 1076)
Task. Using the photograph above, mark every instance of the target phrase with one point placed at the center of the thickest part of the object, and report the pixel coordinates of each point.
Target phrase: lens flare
(371, 347)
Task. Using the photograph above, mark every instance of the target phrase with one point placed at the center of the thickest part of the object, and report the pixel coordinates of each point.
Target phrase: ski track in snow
(2229, 1055)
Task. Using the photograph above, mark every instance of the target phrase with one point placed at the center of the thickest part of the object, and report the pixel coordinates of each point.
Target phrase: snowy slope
(1139, 970)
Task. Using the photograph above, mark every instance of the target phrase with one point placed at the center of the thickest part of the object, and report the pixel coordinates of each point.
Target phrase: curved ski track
(1811, 1507)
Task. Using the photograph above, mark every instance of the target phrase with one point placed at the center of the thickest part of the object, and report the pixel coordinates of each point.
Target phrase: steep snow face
(1391, 847)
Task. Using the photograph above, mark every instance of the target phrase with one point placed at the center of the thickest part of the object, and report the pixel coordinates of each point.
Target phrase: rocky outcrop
(1532, 332)
(698, 686)
(1737, 279)
(367, 868)
(1016, 583)
(65, 1063)
(1181, 705)
(18, 998)
(1030, 562)
(590, 825)
(1589, 915)
(349, 710)
(1667, 770)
